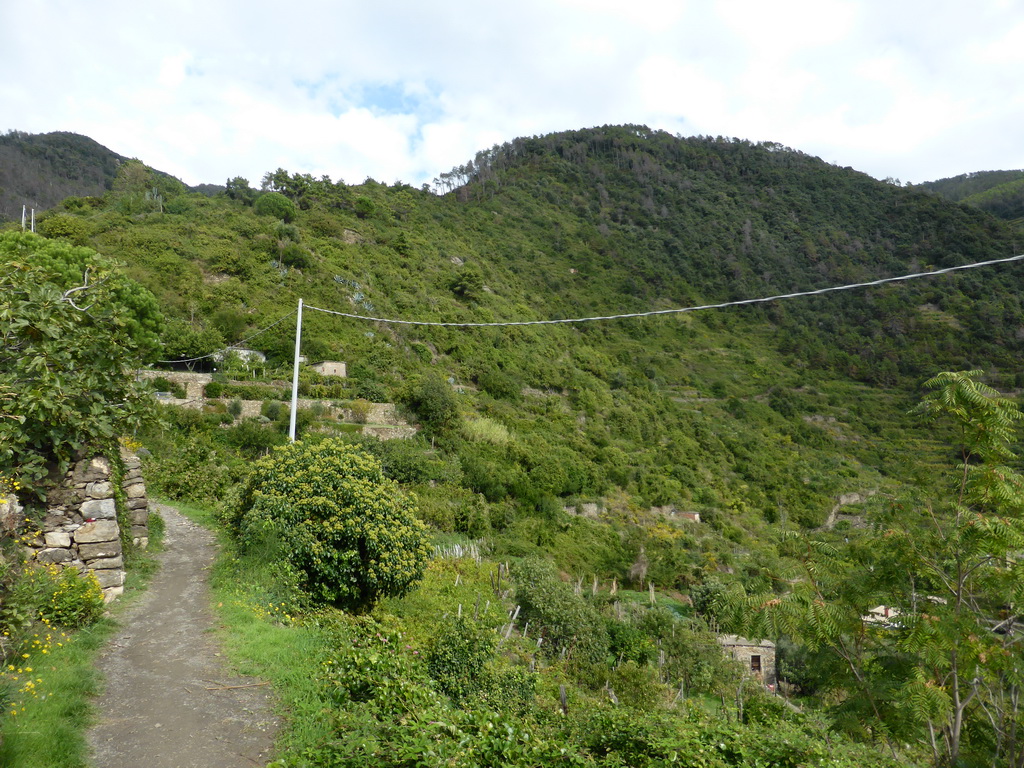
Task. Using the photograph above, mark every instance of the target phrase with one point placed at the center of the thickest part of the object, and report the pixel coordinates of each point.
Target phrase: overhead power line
(678, 310)
(236, 344)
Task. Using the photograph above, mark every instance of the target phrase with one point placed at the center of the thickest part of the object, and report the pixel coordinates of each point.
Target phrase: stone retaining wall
(194, 383)
(81, 529)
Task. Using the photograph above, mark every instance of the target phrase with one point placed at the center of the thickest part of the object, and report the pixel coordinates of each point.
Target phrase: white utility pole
(24, 210)
(295, 375)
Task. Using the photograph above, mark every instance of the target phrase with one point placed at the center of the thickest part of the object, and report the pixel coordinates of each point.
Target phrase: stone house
(331, 368)
(756, 657)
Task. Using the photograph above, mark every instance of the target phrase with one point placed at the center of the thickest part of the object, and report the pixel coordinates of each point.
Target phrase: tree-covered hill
(769, 412)
(40, 170)
(582, 442)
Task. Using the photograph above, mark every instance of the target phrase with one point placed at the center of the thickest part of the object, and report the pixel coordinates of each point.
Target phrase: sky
(403, 90)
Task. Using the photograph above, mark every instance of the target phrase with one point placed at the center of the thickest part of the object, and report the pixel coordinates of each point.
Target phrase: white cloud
(211, 90)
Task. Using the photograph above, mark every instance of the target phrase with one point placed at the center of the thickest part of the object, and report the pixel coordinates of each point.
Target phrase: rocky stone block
(112, 593)
(132, 463)
(57, 539)
(101, 530)
(99, 509)
(55, 520)
(100, 550)
(133, 474)
(99, 490)
(135, 490)
(142, 542)
(140, 516)
(89, 471)
(110, 578)
(62, 497)
(140, 503)
(106, 563)
(54, 555)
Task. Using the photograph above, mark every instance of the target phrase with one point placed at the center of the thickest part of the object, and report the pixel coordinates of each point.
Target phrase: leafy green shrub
(192, 469)
(468, 283)
(235, 408)
(457, 657)
(160, 384)
(373, 391)
(275, 204)
(252, 438)
(500, 385)
(66, 227)
(511, 690)
(63, 597)
(287, 232)
(364, 207)
(371, 662)
(272, 409)
(213, 389)
(349, 530)
(433, 401)
(636, 686)
(561, 616)
(360, 410)
(294, 255)
(253, 391)
(628, 642)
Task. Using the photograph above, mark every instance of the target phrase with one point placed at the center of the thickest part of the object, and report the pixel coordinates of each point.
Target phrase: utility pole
(295, 375)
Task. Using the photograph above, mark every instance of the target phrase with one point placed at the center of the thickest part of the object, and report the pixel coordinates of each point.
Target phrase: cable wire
(236, 344)
(678, 310)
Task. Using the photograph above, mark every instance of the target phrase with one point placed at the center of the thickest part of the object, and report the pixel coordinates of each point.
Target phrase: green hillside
(768, 421)
(762, 412)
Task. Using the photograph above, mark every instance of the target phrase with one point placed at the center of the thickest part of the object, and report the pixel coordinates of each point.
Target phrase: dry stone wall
(81, 529)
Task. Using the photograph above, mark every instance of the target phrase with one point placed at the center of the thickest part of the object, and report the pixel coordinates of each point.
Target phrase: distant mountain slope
(957, 188)
(1005, 201)
(42, 169)
(1000, 193)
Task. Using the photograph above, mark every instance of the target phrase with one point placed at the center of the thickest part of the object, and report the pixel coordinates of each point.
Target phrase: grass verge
(255, 603)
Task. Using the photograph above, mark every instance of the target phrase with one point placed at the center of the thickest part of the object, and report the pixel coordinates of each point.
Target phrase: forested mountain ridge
(40, 170)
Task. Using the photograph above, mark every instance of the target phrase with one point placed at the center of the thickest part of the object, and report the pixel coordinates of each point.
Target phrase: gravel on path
(158, 709)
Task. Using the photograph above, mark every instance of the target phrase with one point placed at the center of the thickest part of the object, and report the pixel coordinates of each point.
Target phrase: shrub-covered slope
(753, 417)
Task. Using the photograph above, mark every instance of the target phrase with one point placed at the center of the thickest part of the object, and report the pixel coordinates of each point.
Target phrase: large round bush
(328, 510)
(275, 204)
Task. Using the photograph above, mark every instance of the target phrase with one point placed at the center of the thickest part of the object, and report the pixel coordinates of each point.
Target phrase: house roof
(737, 640)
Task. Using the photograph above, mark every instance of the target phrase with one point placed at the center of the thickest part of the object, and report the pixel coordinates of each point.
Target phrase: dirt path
(156, 710)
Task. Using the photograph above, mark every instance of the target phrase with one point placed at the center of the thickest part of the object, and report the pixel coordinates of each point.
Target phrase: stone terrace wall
(81, 529)
(194, 383)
